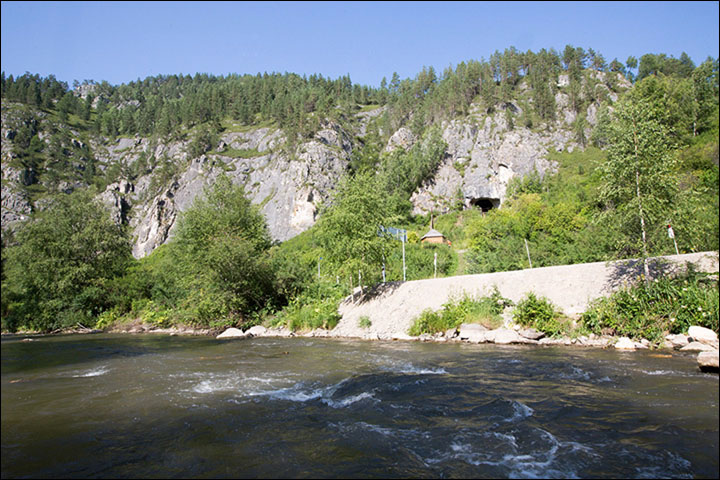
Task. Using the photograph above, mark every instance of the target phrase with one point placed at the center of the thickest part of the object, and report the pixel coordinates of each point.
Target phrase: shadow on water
(27, 353)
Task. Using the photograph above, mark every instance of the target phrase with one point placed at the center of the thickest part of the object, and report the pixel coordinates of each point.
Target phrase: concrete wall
(392, 307)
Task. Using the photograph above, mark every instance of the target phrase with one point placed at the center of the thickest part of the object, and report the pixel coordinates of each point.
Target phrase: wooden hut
(433, 236)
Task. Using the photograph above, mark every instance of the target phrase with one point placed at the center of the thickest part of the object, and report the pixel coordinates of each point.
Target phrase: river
(160, 406)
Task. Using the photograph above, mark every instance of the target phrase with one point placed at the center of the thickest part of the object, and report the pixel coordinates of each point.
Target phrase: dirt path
(392, 307)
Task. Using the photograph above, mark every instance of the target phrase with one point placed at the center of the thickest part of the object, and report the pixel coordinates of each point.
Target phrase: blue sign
(397, 233)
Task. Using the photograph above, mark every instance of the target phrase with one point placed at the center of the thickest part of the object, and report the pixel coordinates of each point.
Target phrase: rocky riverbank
(699, 339)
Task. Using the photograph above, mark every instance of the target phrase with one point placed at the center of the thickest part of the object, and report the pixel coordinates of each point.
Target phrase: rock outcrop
(289, 183)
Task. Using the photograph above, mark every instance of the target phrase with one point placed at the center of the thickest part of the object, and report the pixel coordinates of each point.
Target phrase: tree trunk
(646, 266)
(642, 226)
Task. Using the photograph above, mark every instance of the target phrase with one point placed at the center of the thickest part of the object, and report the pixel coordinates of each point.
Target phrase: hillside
(235, 200)
(148, 179)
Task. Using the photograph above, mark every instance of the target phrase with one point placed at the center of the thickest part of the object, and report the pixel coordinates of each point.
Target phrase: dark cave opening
(485, 204)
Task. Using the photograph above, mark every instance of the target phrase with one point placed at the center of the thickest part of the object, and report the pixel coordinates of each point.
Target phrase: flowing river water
(160, 406)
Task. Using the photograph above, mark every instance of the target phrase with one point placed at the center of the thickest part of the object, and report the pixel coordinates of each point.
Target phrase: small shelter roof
(432, 234)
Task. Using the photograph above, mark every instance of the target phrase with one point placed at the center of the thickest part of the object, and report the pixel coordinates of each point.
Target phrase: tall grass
(315, 308)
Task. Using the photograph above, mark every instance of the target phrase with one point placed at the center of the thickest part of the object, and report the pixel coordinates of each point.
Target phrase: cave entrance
(485, 204)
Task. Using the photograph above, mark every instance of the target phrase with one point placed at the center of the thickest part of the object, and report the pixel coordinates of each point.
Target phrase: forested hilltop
(234, 200)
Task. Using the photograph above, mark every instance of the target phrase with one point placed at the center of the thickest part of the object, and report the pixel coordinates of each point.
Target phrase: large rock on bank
(708, 361)
(703, 335)
(232, 333)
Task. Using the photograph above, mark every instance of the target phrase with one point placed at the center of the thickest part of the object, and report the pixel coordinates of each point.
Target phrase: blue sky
(123, 41)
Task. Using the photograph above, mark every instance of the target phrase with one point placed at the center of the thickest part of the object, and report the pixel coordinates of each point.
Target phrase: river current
(159, 406)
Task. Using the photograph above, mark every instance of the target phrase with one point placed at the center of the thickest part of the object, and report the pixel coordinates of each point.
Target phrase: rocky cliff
(288, 183)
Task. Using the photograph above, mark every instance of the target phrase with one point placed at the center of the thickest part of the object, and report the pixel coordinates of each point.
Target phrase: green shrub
(483, 310)
(540, 314)
(429, 322)
(107, 318)
(666, 305)
(316, 307)
(364, 322)
(156, 316)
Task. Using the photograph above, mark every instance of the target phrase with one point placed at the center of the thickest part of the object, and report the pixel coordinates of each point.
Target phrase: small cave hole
(484, 204)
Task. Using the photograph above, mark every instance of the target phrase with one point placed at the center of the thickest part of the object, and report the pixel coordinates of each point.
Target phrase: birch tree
(349, 230)
(638, 183)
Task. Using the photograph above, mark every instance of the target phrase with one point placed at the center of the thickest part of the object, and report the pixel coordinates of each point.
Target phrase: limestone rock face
(15, 205)
(114, 197)
(403, 138)
(484, 154)
(288, 188)
(482, 158)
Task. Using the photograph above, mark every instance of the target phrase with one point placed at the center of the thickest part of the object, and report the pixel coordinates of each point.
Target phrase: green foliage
(156, 316)
(638, 186)
(429, 322)
(540, 314)
(348, 230)
(483, 310)
(364, 322)
(555, 215)
(402, 172)
(107, 319)
(218, 266)
(653, 64)
(666, 305)
(530, 183)
(419, 261)
(60, 271)
(221, 269)
(366, 157)
(316, 307)
(204, 140)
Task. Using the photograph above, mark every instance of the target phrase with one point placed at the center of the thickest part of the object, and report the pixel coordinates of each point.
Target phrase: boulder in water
(708, 361)
(232, 333)
(677, 341)
(257, 331)
(531, 333)
(473, 333)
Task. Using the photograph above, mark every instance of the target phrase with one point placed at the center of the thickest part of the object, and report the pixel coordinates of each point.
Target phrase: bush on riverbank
(666, 305)
(484, 310)
(314, 308)
(542, 315)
